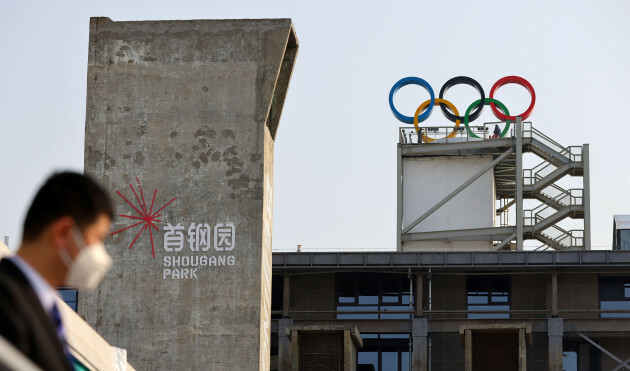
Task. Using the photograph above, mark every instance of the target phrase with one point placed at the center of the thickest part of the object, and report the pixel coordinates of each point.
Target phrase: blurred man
(61, 246)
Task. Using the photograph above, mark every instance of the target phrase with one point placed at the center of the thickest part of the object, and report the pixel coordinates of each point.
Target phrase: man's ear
(61, 232)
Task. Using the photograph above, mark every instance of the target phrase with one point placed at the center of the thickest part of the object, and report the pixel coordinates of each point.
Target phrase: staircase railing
(570, 197)
(566, 239)
(537, 214)
(572, 153)
(531, 176)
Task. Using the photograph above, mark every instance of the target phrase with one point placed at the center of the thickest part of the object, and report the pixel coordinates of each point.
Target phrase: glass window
(70, 297)
(368, 358)
(385, 352)
(614, 294)
(375, 292)
(624, 239)
(488, 293)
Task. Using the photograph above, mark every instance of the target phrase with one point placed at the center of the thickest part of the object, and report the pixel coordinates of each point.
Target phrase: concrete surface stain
(93, 156)
(205, 131)
(139, 158)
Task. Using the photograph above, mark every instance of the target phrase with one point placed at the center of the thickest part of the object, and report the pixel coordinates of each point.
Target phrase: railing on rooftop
(448, 134)
(458, 134)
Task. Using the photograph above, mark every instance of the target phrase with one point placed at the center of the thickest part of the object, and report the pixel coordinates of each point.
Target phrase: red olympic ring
(513, 80)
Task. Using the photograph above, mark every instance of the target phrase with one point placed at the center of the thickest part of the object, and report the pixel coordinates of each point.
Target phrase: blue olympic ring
(404, 82)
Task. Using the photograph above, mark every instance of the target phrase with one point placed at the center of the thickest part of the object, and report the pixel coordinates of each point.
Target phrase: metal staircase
(557, 203)
(512, 184)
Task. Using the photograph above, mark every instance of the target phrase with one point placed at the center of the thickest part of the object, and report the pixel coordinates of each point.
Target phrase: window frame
(489, 284)
(375, 284)
(621, 284)
(387, 342)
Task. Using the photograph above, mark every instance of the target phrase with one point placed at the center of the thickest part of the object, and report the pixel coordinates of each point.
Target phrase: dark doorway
(495, 351)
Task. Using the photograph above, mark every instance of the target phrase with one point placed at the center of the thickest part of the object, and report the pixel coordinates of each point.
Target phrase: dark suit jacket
(25, 324)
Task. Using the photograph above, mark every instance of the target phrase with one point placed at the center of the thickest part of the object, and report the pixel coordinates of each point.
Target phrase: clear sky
(335, 161)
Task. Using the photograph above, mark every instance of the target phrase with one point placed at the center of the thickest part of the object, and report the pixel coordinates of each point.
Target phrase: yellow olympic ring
(423, 106)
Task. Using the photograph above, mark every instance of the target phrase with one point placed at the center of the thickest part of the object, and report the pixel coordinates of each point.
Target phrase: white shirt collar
(45, 293)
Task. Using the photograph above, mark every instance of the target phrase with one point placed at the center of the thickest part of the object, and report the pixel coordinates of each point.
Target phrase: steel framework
(513, 184)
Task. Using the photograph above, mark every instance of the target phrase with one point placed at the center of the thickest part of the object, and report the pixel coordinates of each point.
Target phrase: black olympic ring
(456, 81)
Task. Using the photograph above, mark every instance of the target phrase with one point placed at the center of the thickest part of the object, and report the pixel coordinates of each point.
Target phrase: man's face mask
(89, 266)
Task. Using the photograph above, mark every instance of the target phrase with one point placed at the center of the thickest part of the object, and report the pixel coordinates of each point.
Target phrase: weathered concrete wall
(314, 292)
(529, 293)
(190, 108)
(447, 352)
(538, 353)
(577, 291)
(449, 293)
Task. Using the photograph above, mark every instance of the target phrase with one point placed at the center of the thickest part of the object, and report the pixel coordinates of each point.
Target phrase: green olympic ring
(486, 102)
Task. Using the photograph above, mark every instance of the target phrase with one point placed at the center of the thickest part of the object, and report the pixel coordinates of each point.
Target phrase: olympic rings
(456, 81)
(513, 80)
(441, 102)
(404, 82)
(446, 107)
(486, 101)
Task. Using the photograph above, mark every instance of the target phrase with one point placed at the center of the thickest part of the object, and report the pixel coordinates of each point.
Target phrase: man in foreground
(61, 246)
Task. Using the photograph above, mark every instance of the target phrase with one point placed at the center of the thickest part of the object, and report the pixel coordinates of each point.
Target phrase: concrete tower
(180, 127)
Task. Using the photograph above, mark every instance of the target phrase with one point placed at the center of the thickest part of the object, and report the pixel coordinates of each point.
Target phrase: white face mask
(89, 267)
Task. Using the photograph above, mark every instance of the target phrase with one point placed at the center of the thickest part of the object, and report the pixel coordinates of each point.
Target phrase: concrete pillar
(187, 113)
(522, 350)
(468, 350)
(419, 294)
(555, 331)
(554, 294)
(295, 351)
(420, 354)
(349, 352)
(284, 345)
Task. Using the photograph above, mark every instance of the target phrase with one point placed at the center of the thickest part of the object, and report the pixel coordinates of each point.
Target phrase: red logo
(147, 218)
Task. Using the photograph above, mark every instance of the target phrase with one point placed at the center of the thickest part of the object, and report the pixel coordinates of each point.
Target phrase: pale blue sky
(335, 159)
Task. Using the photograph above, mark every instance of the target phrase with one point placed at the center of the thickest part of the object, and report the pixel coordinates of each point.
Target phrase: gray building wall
(313, 292)
(578, 291)
(190, 108)
(448, 293)
(538, 353)
(447, 352)
(529, 293)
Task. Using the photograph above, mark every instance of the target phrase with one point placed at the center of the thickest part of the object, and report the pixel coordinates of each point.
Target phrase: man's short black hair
(66, 194)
